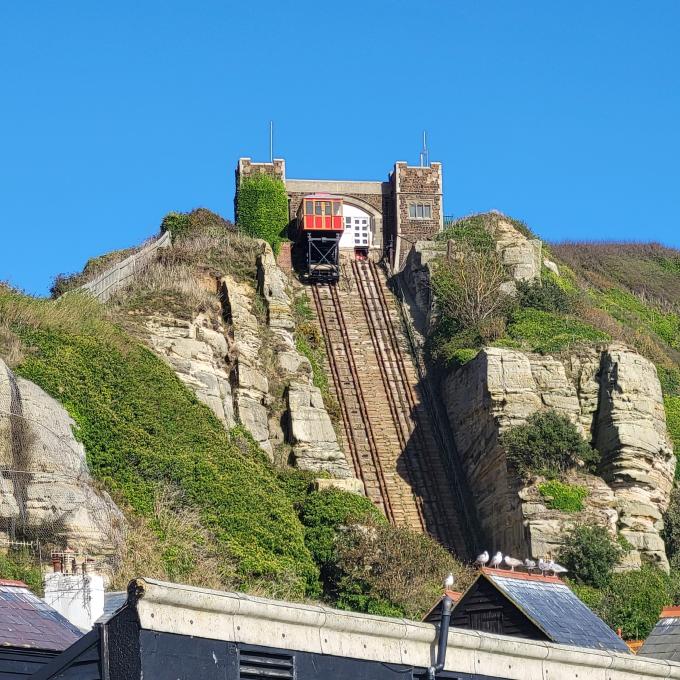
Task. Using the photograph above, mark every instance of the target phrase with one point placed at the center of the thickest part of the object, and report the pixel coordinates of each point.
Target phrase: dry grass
(172, 545)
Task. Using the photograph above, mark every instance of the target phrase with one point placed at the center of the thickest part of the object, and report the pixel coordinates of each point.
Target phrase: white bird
(482, 559)
(448, 583)
(530, 565)
(496, 560)
(512, 562)
(558, 569)
(543, 566)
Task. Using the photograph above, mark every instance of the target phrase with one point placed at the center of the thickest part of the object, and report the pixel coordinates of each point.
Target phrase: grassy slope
(634, 290)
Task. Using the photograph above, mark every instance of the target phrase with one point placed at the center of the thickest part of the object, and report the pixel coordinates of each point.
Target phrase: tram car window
(319, 228)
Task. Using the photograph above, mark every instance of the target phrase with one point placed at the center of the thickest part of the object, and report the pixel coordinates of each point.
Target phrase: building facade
(387, 217)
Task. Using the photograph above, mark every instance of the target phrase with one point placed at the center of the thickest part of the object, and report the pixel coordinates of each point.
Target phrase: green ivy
(17, 566)
(263, 208)
(142, 428)
(562, 496)
(547, 332)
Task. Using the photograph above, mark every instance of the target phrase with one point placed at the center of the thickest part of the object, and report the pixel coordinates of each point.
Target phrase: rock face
(613, 395)
(197, 352)
(521, 255)
(46, 491)
(309, 430)
(251, 373)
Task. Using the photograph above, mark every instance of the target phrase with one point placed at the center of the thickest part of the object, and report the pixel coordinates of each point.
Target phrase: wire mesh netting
(48, 501)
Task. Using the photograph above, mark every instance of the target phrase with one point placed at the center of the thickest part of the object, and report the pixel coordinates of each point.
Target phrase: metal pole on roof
(271, 141)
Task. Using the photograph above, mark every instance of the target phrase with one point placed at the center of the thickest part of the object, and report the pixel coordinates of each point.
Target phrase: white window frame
(416, 207)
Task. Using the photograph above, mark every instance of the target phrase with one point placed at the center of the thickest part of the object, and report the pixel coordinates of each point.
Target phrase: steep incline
(387, 430)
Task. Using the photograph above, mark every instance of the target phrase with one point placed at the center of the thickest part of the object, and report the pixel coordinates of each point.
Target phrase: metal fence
(118, 276)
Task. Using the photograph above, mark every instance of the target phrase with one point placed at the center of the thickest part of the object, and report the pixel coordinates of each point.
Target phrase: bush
(178, 224)
(468, 290)
(323, 514)
(19, 566)
(263, 208)
(142, 429)
(591, 555)
(547, 332)
(471, 232)
(392, 571)
(564, 497)
(671, 529)
(547, 444)
(634, 600)
(545, 295)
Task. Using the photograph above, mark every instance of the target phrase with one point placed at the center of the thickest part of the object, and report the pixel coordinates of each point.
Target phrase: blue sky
(564, 114)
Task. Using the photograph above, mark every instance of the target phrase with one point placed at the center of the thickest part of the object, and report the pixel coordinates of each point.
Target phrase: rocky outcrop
(521, 255)
(46, 490)
(197, 351)
(250, 372)
(309, 430)
(637, 457)
(613, 395)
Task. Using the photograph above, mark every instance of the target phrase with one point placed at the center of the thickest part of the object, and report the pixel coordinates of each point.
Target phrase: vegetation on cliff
(204, 506)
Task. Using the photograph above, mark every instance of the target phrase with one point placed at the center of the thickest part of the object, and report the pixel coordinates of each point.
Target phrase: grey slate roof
(113, 601)
(664, 641)
(555, 609)
(28, 622)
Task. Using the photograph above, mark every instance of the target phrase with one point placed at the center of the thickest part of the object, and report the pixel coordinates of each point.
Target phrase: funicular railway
(388, 432)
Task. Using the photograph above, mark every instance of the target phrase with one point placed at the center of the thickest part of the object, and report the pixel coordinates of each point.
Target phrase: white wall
(79, 598)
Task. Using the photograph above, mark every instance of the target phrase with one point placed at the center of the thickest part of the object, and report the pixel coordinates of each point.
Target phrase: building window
(420, 211)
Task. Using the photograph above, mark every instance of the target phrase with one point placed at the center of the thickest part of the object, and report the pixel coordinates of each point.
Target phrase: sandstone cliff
(245, 366)
(614, 396)
(46, 491)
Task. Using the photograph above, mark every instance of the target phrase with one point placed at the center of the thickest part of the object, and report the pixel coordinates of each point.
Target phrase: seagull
(530, 565)
(448, 583)
(496, 560)
(512, 562)
(558, 569)
(543, 566)
(482, 559)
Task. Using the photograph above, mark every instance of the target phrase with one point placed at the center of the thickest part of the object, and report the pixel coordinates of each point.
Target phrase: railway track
(387, 430)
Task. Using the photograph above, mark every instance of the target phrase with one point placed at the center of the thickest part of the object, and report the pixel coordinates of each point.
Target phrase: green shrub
(392, 571)
(547, 444)
(671, 529)
(546, 332)
(19, 566)
(143, 428)
(323, 513)
(471, 232)
(591, 555)
(634, 600)
(263, 208)
(564, 497)
(545, 295)
(178, 224)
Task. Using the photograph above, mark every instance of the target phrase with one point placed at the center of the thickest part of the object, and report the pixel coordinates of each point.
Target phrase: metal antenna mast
(271, 141)
(425, 153)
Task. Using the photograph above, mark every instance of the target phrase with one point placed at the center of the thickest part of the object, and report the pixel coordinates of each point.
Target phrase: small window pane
(309, 207)
(412, 210)
(317, 207)
(327, 208)
(419, 210)
(337, 208)
(427, 211)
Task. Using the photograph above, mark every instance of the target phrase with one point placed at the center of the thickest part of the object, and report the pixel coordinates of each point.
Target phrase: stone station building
(385, 217)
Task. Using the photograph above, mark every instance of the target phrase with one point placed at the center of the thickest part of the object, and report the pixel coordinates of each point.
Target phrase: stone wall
(613, 395)
(415, 184)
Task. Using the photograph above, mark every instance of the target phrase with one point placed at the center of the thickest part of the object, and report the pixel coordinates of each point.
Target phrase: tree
(468, 287)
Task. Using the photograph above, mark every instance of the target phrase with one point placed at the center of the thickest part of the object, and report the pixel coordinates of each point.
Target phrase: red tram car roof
(325, 196)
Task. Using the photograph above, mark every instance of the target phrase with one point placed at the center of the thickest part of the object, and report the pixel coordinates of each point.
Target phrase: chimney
(77, 597)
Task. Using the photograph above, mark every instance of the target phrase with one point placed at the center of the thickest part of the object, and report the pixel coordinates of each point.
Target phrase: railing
(119, 275)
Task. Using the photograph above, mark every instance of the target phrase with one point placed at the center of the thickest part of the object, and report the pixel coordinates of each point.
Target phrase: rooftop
(27, 622)
(664, 640)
